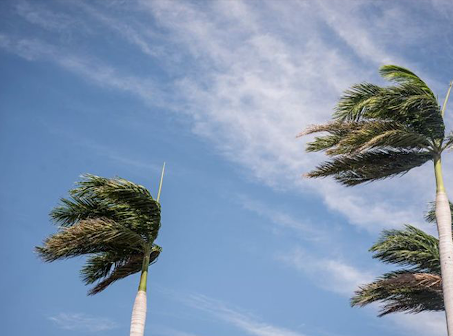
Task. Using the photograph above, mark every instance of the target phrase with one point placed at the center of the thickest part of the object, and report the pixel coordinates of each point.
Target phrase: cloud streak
(250, 87)
(236, 317)
(82, 322)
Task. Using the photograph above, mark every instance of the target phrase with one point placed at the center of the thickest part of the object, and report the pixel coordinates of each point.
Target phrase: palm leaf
(370, 166)
(404, 76)
(120, 200)
(409, 247)
(89, 236)
(121, 269)
(402, 291)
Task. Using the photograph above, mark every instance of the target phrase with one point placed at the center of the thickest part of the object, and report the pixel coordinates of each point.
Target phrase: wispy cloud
(340, 277)
(165, 331)
(236, 317)
(43, 17)
(283, 220)
(334, 275)
(251, 86)
(82, 322)
(427, 323)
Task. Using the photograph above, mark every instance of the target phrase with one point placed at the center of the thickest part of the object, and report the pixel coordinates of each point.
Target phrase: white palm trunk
(443, 218)
(139, 315)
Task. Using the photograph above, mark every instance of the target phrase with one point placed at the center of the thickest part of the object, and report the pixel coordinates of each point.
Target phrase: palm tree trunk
(443, 219)
(139, 311)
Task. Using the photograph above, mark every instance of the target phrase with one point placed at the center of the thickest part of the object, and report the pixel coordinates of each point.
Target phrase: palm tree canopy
(414, 288)
(113, 221)
(379, 132)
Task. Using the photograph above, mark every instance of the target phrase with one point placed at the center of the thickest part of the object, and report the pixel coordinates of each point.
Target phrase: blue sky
(218, 90)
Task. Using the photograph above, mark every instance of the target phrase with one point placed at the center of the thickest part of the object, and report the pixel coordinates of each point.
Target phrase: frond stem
(160, 183)
(446, 99)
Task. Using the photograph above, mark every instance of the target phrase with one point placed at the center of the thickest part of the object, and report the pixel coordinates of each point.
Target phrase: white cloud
(283, 219)
(330, 274)
(83, 322)
(43, 17)
(427, 323)
(254, 81)
(234, 316)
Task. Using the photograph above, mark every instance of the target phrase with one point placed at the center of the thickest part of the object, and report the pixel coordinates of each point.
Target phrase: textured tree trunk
(443, 219)
(139, 311)
(139, 315)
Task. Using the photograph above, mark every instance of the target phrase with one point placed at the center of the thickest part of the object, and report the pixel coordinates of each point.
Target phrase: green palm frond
(379, 132)
(410, 247)
(120, 200)
(89, 236)
(100, 265)
(415, 288)
(120, 271)
(113, 221)
(404, 76)
(106, 271)
(356, 101)
(402, 291)
(369, 166)
(72, 211)
(448, 141)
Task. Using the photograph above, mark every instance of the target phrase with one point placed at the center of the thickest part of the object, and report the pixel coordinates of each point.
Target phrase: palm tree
(115, 222)
(381, 132)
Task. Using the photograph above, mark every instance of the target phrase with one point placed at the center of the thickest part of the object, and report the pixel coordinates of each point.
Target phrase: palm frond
(71, 211)
(448, 142)
(410, 102)
(336, 132)
(120, 271)
(122, 201)
(99, 265)
(106, 269)
(404, 76)
(370, 166)
(356, 101)
(402, 291)
(89, 236)
(351, 137)
(409, 247)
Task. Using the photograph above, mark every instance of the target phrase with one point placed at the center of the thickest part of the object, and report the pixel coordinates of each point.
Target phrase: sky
(218, 90)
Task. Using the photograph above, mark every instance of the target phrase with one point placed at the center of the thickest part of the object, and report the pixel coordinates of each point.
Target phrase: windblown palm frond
(402, 291)
(90, 236)
(113, 221)
(380, 132)
(370, 166)
(410, 247)
(415, 288)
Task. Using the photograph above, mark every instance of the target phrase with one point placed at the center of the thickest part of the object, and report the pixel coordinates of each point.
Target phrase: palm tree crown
(379, 132)
(414, 288)
(417, 285)
(113, 221)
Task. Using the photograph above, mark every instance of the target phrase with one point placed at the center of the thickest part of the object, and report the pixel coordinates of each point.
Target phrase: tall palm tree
(381, 132)
(115, 222)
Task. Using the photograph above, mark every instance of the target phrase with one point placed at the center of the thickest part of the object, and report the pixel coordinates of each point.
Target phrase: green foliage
(379, 132)
(414, 288)
(113, 221)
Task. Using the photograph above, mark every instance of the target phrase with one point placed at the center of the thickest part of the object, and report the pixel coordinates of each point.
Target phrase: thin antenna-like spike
(160, 184)
(446, 99)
